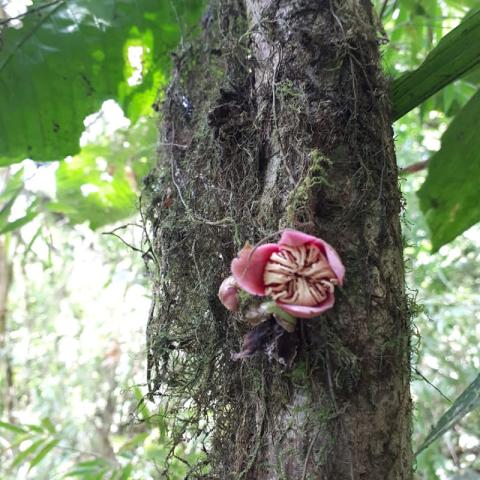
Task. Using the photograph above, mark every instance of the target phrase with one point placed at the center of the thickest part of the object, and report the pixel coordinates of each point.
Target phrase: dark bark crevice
(288, 126)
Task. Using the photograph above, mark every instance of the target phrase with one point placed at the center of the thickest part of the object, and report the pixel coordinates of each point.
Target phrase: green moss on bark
(276, 118)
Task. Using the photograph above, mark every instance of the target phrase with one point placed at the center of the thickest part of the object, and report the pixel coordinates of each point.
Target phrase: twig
(180, 25)
(135, 249)
(310, 448)
(415, 167)
(31, 10)
(151, 384)
(382, 10)
(225, 222)
(337, 412)
(330, 381)
(172, 145)
(145, 233)
(274, 112)
(122, 227)
(29, 34)
(432, 385)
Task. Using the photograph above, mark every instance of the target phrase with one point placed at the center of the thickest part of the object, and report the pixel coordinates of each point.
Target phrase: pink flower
(228, 294)
(299, 272)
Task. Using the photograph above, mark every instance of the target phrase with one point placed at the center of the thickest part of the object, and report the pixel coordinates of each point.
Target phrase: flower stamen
(299, 275)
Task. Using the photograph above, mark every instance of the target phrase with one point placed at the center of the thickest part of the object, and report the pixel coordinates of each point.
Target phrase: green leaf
(97, 463)
(86, 474)
(88, 193)
(13, 186)
(47, 423)
(88, 469)
(12, 427)
(162, 425)
(449, 196)
(44, 452)
(6, 210)
(126, 472)
(142, 409)
(34, 428)
(134, 442)
(31, 213)
(456, 54)
(473, 77)
(101, 184)
(21, 457)
(464, 404)
(70, 57)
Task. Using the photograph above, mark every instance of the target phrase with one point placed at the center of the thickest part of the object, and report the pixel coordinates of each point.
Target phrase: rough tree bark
(279, 117)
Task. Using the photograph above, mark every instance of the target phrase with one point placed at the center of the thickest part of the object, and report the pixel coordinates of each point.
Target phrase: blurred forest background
(74, 291)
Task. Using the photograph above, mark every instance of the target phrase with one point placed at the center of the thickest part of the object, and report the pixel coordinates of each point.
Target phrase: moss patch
(241, 158)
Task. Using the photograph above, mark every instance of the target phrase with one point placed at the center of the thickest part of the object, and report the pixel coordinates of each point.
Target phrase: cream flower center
(299, 275)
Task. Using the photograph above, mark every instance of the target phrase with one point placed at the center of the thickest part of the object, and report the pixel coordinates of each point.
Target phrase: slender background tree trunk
(279, 117)
(5, 359)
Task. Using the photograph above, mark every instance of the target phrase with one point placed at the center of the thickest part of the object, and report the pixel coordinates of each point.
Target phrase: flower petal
(295, 239)
(228, 294)
(335, 262)
(301, 311)
(249, 266)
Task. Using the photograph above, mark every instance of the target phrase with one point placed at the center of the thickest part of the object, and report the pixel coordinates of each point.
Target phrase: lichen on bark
(277, 118)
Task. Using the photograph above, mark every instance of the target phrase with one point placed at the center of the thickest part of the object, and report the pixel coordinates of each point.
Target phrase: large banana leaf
(449, 197)
(465, 403)
(456, 54)
(71, 56)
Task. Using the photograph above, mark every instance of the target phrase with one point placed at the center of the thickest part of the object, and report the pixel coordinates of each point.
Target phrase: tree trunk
(279, 117)
(6, 383)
